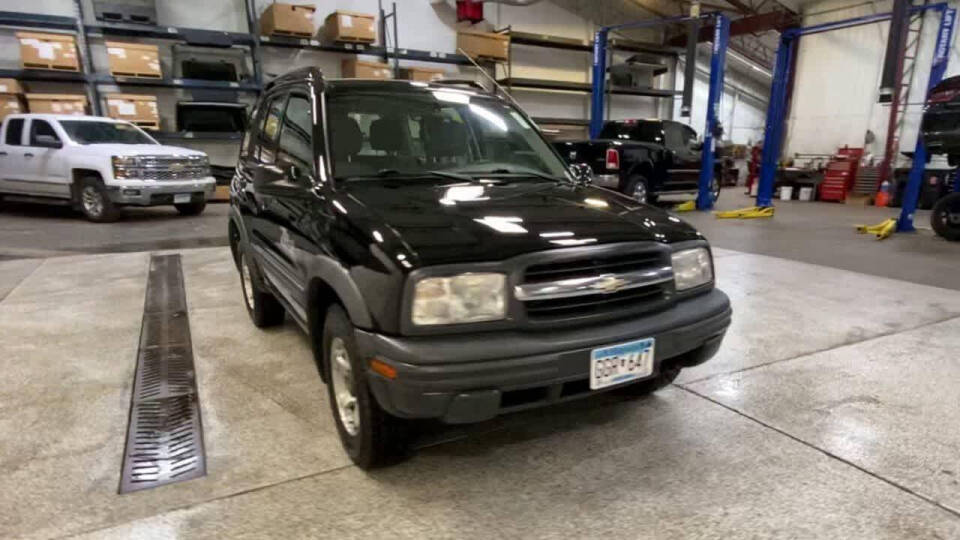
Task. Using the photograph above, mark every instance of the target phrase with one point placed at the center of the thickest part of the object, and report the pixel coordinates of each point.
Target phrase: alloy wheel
(246, 281)
(640, 192)
(348, 409)
(92, 201)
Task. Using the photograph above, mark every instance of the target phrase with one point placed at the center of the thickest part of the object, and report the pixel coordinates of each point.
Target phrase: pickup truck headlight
(465, 298)
(125, 166)
(692, 268)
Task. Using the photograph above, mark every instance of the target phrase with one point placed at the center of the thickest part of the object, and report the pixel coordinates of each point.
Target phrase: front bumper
(471, 378)
(155, 193)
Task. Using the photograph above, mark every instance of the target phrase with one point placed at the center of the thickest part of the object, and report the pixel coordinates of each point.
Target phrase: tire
(638, 189)
(370, 436)
(94, 203)
(264, 309)
(663, 378)
(715, 188)
(945, 217)
(191, 209)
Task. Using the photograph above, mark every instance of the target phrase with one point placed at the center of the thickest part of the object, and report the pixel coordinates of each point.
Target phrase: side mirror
(582, 173)
(47, 141)
(696, 146)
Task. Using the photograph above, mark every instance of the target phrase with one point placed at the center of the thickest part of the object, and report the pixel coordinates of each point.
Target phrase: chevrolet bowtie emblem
(609, 284)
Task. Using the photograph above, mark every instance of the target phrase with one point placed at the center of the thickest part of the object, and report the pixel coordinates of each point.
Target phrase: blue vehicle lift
(776, 111)
(721, 37)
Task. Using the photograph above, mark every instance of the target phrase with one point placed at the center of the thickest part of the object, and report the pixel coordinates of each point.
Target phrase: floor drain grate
(165, 435)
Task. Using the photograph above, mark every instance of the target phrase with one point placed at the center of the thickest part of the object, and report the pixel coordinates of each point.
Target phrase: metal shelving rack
(253, 40)
(571, 44)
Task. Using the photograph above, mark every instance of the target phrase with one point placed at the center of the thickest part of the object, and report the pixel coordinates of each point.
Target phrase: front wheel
(191, 209)
(945, 217)
(95, 203)
(370, 435)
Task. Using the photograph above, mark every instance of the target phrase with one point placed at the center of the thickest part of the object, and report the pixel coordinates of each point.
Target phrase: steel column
(718, 56)
(599, 82)
(938, 67)
(776, 118)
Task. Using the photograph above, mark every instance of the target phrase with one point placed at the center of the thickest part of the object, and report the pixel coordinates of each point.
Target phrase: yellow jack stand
(746, 213)
(688, 206)
(882, 230)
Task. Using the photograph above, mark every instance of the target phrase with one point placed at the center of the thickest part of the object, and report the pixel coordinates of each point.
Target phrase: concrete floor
(829, 411)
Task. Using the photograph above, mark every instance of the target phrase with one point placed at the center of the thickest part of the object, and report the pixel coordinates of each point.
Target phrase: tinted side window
(41, 127)
(296, 136)
(673, 135)
(689, 136)
(14, 131)
(266, 151)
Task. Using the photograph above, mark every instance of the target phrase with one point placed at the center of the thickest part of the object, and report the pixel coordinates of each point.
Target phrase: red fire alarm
(469, 10)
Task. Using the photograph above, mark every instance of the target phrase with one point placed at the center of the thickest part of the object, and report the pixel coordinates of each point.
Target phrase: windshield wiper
(503, 171)
(388, 173)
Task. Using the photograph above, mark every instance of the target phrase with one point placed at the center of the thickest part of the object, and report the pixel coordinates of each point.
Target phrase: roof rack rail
(308, 72)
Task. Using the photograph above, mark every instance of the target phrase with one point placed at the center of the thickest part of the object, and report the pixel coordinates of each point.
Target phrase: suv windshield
(442, 130)
(634, 130)
(87, 132)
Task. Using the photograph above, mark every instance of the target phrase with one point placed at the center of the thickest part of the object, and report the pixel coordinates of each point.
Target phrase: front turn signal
(378, 366)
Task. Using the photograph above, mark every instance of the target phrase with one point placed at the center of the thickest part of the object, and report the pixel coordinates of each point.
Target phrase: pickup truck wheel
(95, 203)
(715, 189)
(264, 309)
(370, 435)
(191, 209)
(637, 189)
(945, 217)
(667, 375)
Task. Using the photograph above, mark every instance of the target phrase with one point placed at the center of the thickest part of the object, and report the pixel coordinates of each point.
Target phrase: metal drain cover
(164, 435)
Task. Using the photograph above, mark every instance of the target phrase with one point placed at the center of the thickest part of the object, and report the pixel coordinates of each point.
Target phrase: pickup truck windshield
(451, 131)
(93, 132)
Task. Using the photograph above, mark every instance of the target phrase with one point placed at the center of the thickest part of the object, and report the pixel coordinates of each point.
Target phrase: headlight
(459, 299)
(692, 268)
(125, 166)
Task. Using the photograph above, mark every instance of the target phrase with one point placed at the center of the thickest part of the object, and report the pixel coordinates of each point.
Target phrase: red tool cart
(840, 174)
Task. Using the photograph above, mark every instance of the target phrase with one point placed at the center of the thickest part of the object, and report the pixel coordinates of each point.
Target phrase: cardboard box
(48, 51)
(135, 108)
(10, 86)
(287, 20)
(57, 103)
(351, 26)
(134, 59)
(10, 104)
(351, 68)
(484, 44)
(421, 74)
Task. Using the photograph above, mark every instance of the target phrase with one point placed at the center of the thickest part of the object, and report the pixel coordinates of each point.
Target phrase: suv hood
(443, 223)
(137, 150)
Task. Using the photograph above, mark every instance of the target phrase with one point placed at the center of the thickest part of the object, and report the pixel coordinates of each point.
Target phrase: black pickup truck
(446, 264)
(643, 158)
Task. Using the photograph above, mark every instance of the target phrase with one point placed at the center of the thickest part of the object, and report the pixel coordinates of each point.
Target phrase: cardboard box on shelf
(484, 44)
(10, 86)
(351, 68)
(48, 51)
(135, 108)
(350, 26)
(57, 103)
(134, 59)
(287, 20)
(421, 74)
(10, 104)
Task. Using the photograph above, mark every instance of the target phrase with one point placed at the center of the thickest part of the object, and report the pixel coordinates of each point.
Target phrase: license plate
(618, 364)
(181, 198)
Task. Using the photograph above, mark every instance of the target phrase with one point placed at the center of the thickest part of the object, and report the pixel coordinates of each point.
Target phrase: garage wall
(838, 77)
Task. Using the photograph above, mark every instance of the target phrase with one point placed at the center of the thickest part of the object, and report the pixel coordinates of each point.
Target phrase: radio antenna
(490, 78)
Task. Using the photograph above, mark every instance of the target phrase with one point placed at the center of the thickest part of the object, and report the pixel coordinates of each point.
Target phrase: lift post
(721, 38)
(776, 110)
(941, 56)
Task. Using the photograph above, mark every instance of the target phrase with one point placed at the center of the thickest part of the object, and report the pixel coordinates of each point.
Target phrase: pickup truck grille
(172, 168)
(599, 286)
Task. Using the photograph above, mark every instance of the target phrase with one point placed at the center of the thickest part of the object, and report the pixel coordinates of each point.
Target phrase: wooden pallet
(285, 33)
(354, 40)
(136, 75)
(146, 124)
(54, 67)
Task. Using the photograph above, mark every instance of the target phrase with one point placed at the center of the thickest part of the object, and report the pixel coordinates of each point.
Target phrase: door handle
(2, 154)
(28, 154)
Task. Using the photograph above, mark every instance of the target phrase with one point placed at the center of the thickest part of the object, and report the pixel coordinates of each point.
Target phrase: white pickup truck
(98, 165)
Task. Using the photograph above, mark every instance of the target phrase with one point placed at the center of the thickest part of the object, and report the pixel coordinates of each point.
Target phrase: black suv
(446, 264)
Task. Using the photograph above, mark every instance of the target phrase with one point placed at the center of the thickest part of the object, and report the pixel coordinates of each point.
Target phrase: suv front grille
(625, 284)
